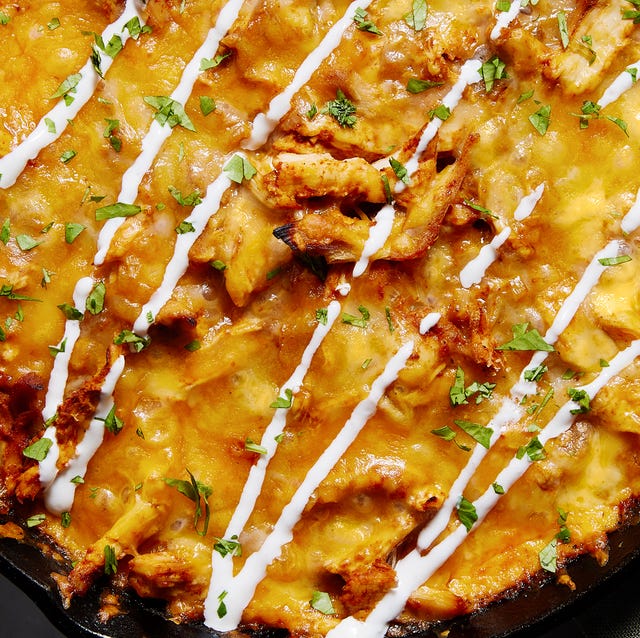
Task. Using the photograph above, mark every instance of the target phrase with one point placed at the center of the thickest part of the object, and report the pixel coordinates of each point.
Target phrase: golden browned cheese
(280, 247)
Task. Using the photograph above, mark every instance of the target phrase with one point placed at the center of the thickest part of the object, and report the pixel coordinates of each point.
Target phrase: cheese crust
(445, 209)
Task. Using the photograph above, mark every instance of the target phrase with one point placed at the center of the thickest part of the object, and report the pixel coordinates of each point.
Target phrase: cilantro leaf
(193, 199)
(169, 111)
(549, 556)
(541, 119)
(363, 24)
(416, 85)
(417, 17)
(239, 168)
(38, 451)
(479, 433)
(198, 493)
(321, 602)
(118, 209)
(341, 110)
(466, 511)
(524, 339)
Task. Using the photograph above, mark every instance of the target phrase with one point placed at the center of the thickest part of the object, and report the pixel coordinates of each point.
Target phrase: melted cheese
(216, 337)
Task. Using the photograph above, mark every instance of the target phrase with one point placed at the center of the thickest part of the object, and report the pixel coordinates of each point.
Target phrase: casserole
(319, 316)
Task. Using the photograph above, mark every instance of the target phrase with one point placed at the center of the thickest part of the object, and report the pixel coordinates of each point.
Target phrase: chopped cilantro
(416, 85)
(95, 300)
(363, 24)
(38, 451)
(67, 86)
(492, 70)
(35, 520)
(359, 322)
(71, 313)
(466, 513)
(118, 209)
(581, 398)
(341, 110)
(26, 242)
(110, 560)
(549, 557)
(417, 17)
(239, 168)
(321, 601)
(207, 105)
(564, 30)
(169, 111)
(71, 231)
(541, 119)
(614, 261)
(134, 28)
(67, 156)
(192, 199)
(322, 316)
(112, 422)
(226, 547)
(400, 170)
(210, 63)
(252, 446)
(198, 493)
(136, 343)
(524, 339)
(534, 450)
(283, 402)
(441, 111)
(479, 433)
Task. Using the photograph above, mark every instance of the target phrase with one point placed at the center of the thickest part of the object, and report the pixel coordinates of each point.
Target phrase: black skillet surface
(606, 604)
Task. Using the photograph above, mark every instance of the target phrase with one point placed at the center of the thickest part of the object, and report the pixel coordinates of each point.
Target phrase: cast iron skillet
(524, 614)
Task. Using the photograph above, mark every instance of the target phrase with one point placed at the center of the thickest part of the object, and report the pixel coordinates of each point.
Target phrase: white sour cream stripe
(381, 229)
(620, 85)
(58, 497)
(158, 134)
(130, 183)
(179, 261)
(631, 220)
(14, 162)
(222, 567)
(240, 590)
(475, 270)
(505, 18)
(415, 569)
(511, 410)
(264, 124)
(58, 379)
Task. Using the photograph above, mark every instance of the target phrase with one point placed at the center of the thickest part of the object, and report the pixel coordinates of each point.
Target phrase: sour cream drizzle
(58, 497)
(415, 569)
(381, 229)
(475, 270)
(631, 220)
(158, 134)
(14, 162)
(151, 145)
(620, 85)
(265, 123)
(240, 589)
(58, 380)
(243, 585)
(179, 261)
(223, 566)
(505, 18)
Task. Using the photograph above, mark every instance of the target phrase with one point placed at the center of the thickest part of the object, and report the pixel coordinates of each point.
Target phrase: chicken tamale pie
(315, 315)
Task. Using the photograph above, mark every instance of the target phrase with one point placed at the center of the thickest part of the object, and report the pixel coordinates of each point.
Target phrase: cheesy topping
(319, 315)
